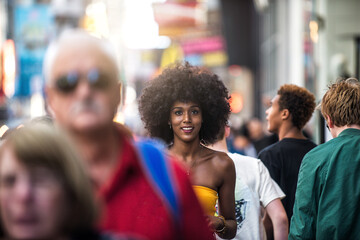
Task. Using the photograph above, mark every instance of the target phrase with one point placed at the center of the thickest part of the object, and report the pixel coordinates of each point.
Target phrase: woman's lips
(187, 129)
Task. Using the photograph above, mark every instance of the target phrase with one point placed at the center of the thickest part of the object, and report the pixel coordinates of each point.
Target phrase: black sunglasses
(68, 83)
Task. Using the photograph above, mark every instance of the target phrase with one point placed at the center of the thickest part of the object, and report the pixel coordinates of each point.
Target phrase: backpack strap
(160, 174)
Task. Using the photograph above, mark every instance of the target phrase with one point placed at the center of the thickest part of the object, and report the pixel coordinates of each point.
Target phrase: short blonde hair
(342, 102)
(42, 145)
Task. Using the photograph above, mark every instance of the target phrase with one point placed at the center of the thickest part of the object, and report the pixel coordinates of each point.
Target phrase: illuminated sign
(9, 67)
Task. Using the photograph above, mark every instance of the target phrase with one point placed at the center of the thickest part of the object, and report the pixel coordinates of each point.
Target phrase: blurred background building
(253, 45)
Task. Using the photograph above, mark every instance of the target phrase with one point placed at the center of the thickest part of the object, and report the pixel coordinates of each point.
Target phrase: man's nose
(83, 89)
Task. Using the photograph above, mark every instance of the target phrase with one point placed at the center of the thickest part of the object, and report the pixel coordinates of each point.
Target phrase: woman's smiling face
(186, 121)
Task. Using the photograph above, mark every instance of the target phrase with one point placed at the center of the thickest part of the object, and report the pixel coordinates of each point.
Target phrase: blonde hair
(42, 145)
(342, 102)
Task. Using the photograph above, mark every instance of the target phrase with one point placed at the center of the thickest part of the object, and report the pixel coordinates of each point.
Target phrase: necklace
(192, 165)
(194, 162)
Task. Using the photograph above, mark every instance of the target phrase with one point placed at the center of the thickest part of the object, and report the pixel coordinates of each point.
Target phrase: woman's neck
(186, 151)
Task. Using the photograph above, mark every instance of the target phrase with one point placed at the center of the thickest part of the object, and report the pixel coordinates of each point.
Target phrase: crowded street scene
(179, 119)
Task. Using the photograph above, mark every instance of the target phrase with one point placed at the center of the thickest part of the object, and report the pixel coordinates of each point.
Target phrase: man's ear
(227, 131)
(285, 114)
(329, 122)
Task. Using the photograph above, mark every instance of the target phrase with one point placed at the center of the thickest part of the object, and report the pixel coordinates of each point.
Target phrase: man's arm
(270, 195)
(302, 225)
(279, 220)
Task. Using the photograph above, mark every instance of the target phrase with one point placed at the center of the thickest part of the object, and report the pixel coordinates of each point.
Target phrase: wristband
(223, 229)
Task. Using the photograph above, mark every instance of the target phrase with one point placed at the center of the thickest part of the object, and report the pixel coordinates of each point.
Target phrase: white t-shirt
(254, 188)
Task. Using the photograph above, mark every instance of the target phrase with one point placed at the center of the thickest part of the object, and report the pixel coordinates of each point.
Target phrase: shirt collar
(350, 131)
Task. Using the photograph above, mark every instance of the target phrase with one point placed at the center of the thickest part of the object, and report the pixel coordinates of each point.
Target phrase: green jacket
(327, 200)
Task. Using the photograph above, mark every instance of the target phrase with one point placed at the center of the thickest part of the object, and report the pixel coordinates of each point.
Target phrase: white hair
(76, 36)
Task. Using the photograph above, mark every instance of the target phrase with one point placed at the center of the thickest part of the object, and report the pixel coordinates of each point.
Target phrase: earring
(170, 125)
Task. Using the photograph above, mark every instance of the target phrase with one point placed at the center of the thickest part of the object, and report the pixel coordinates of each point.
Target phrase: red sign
(202, 45)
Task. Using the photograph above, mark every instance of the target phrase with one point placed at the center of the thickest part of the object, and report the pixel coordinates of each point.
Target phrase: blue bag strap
(157, 169)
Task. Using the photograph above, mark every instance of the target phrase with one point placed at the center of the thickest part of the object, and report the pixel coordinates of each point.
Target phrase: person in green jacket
(328, 191)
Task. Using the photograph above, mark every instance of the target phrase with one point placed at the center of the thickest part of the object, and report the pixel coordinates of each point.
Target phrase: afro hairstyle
(185, 83)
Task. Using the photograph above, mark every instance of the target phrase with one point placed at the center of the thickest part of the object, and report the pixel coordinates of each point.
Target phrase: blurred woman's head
(44, 192)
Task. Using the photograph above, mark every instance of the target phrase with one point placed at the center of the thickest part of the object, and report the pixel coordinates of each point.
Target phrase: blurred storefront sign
(33, 31)
(186, 23)
(207, 51)
(202, 45)
(170, 14)
(176, 18)
(3, 24)
(7, 62)
(215, 59)
(9, 68)
(171, 55)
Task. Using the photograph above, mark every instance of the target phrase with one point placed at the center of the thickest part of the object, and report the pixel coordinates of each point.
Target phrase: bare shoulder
(221, 160)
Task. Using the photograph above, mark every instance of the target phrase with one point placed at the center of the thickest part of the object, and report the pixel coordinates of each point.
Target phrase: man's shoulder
(247, 168)
(324, 150)
(243, 161)
(320, 155)
(240, 157)
(269, 150)
(288, 144)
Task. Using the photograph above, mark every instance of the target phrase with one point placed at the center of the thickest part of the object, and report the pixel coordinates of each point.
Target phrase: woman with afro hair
(186, 107)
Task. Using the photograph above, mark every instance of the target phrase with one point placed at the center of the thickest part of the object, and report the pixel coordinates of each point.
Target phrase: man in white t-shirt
(254, 189)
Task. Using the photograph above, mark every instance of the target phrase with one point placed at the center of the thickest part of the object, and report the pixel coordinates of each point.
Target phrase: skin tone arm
(276, 212)
(268, 226)
(226, 202)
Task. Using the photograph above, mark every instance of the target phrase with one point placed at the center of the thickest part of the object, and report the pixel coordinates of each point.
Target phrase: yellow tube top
(207, 198)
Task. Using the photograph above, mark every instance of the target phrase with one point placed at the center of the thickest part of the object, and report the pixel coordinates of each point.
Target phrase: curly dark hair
(184, 83)
(299, 101)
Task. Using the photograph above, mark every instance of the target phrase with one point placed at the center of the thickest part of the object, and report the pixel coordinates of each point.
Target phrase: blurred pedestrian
(142, 193)
(44, 191)
(328, 194)
(254, 190)
(186, 106)
(290, 110)
(259, 138)
(242, 143)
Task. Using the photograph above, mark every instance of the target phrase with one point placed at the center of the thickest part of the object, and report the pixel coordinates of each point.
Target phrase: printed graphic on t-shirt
(240, 211)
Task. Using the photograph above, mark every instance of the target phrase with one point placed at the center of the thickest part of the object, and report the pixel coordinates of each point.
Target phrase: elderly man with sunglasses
(83, 90)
